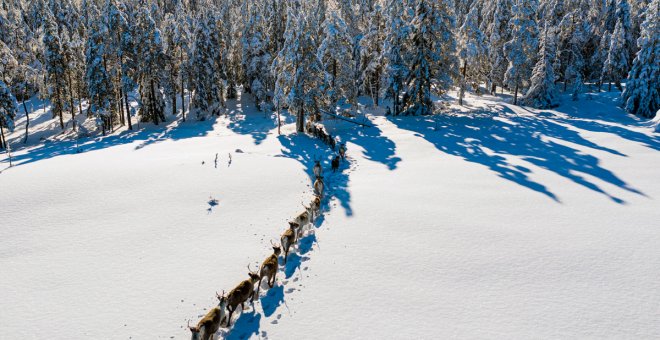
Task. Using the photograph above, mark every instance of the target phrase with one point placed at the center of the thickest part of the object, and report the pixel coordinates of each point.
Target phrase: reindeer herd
(244, 291)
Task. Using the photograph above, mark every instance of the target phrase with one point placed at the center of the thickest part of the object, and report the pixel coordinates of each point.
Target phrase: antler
(248, 266)
(271, 243)
(220, 296)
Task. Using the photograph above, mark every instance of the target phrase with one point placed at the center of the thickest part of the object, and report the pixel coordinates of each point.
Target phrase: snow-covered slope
(498, 223)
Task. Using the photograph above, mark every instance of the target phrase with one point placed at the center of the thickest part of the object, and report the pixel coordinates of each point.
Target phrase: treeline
(311, 55)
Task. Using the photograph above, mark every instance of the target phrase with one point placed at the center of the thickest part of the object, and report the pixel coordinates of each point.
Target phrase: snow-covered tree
(8, 109)
(371, 53)
(433, 56)
(542, 93)
(522, 48)
(498, 34)
(204, 69)
(642, 92)
(296, 68)
(99, 84)
(55, 65)
(150, 59)
(395, 49)
(472, 52)
(336, 56)
(616, 64)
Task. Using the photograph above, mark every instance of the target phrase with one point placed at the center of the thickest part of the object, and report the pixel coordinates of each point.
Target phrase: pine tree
(336, 56)
(296, 68)
(498, 33)
(8, 109)
(99, 84)
(395, 49)
(521, 49)
(204, 69)
(150, 57)
(433, 62)
(55, 66)
(542, 93)
(371, 54)
(616, 64)
(642, 93)
(473, 52)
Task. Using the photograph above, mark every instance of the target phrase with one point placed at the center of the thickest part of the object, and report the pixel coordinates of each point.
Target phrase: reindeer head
(254, 277)
(222, 298)
(276, 249)
(195, 331)
(293, 225)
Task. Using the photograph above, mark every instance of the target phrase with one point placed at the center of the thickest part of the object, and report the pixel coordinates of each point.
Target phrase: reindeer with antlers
(269, 268)
(319, 185)
(211, 322)
(289, 238)
(240, 294)
(317, 169)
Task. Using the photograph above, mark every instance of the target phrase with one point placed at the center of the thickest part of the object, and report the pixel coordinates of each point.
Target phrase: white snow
(502, 222)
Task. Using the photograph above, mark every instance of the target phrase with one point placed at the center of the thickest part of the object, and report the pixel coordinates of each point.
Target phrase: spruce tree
(522, 48)
(542, 93)
(433, 62)
(642, 93)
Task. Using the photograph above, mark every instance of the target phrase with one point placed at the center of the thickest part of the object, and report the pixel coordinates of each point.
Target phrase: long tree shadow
(244, 119)
(490, 139)
(305, 150)
(148, 136)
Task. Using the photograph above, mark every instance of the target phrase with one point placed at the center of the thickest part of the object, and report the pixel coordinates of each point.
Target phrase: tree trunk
(300, 120)
(152, 100)
(183, 90)
(128, 112)
(377, 96)
(122, 120)
(515, 95)
(2, 137)
(27, 123)
(59, 101)
(462, 90)
(279, 122)
(72, 101)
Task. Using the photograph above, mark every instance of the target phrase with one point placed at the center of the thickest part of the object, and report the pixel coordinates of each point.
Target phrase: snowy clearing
(498, 223)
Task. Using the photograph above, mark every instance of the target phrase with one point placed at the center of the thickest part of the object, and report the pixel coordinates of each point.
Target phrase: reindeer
(319, 186)
(318, 169)
(303, 219)
(289, 238)
(316, 204)
(210, 323)
(308, 127)
(342, 150)
(269, 268)
(240, 294)
(331, 142)
(335, 163)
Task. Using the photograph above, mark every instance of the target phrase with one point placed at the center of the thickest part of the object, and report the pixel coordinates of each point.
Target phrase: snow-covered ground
(490, 221)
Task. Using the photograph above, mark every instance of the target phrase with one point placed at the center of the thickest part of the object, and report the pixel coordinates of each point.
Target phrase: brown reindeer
(210, 323)
(335, 164)
(319, 186)
(315, 205)
(317, 169)
(342, 150)
(240, 294)
(269, 268)
(289, 238)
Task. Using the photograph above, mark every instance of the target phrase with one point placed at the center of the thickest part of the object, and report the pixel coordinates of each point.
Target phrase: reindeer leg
(258, 287)
(229, 318)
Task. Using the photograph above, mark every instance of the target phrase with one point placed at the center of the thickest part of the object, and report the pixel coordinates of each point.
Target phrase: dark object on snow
(238, 151)
(342, 150)
(335, 163)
